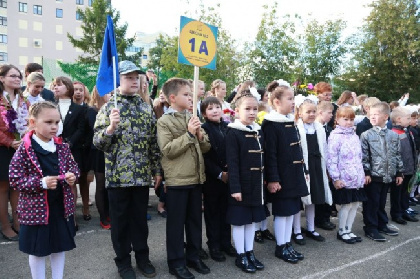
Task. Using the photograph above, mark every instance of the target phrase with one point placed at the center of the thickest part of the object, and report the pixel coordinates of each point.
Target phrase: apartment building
(36, 30)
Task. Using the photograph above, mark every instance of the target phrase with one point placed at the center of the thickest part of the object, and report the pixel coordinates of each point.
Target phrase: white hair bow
(282, 82)
(255, 93)
(299, 99)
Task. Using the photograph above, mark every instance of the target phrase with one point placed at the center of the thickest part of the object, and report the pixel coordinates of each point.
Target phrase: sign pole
(114, 75)
(196, 76)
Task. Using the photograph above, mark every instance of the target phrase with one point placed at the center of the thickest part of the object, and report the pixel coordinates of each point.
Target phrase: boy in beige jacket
(182, 142)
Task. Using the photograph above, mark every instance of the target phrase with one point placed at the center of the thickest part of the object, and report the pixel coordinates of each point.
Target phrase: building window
(37, 9)
(3, 20)
(3, 3)
(59, 13)
(145, 56)
(3, 38)
(78, 16)
(90, 3)
(3, 56)
(23, 7)
(79, 2)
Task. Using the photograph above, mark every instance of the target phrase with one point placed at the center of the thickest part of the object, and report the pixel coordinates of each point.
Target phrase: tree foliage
(85, 73)
(387, 52)
(93, 25)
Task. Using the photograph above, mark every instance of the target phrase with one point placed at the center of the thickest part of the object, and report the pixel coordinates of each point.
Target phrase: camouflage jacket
(132, 154)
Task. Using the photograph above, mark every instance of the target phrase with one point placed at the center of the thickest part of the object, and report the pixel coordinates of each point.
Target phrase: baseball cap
(126, 67)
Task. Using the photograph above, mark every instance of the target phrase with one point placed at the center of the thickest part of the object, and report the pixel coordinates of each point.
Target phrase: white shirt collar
(48, 146)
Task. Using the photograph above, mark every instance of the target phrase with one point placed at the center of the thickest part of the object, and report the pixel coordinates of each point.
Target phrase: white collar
(239, 126)
(278, 117)
(309, 128)
(48, 146)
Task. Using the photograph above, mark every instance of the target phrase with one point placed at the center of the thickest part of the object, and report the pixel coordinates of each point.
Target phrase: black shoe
(415, 201)
(297, 240)
(147, 269)
(251, 258)
(230, 251)
(409, 218)
(203, 254)
(388, 231)
(243, 263)
(318, 237)
(295, 253)
(376, 236)
(127, 273)
(328, 226)
(400, 221)
(258, 237)
(355, 237)
(181, 272)
(11, 238)
(346, 240)
(217, 255)
(199, 266)
(87, 217)
(266, 234)
(283, 253)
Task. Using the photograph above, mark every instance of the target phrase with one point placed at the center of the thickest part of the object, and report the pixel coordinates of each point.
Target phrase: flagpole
(196, 75)
(114, 76)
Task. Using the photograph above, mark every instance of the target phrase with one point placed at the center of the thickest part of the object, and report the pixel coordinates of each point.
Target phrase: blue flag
(105, 79)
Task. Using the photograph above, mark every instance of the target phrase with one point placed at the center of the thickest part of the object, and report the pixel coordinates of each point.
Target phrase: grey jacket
(381, 155)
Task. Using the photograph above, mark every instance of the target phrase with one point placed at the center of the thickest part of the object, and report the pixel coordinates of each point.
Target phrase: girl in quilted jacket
(43, 170)
(344, 164)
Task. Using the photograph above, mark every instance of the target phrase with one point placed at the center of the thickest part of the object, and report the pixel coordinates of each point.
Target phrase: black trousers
(129, 230)
(183, 206)
(374, 214)
(215, 206)
(399, 198)
(323, 211)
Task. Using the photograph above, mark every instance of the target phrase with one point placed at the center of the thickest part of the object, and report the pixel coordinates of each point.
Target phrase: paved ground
(399, 257)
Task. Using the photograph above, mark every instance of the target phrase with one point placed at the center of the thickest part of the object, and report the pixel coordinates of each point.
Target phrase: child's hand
(199, 134)
(70, 178)
(338, 184)
(273, 187)
(225, 177)
(399, 181)
(193, 125)
(367, 179)
(114, 118)
(51, 182)
(158, 180)
(237, 196)
(15, 144)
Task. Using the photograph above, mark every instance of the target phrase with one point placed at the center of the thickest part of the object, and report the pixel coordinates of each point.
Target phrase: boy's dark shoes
(217, 255)
(315, 236)
(229, 250)
(243, 263)
(282, 252)
(127, 273)
(299, 241)
(203, 254)
(410, 218)
(388, 231)
(251, 258)
(400, 221)
(295, 253)
(199, 266)
(163, 214)
(181, 272)
(147, 269)
(266, 234)
(375, 236)
(328, 226)
(87, 217)
(258, 237)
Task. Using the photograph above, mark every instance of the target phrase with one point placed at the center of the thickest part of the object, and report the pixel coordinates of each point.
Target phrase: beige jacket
(182, 155)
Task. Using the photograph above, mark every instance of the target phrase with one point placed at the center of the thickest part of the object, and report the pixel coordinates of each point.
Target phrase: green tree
(275, 52)
(85, 73)
(93, 26)
(323, 50)
(387, 57)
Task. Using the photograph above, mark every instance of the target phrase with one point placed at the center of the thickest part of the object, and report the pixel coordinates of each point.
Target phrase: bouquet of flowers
(304, 89)
(228, 115)
(260, 117)
(16, 121)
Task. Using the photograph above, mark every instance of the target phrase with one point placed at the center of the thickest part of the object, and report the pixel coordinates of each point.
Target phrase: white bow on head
(255, 93)
(282, 82)
(299, 99)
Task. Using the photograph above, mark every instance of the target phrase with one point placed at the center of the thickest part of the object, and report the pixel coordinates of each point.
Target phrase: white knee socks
(351, 216)
(243, 237)
(342, 217)
(288, 228)
(283, 229)
(296, 225)
(37, 265)
(310, 217)
(264, 224)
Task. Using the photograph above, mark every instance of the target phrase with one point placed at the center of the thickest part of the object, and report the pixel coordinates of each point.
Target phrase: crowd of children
(306, 155)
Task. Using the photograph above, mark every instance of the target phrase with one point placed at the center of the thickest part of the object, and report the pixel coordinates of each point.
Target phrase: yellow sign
(197, 43)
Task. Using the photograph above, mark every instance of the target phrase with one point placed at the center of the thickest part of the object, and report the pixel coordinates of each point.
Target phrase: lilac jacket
(344, 158)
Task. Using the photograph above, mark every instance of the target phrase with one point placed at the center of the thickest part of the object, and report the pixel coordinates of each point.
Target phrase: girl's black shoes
(295, 253)
(282, 252)
(346, 238)
(251, 258)
(243, 263)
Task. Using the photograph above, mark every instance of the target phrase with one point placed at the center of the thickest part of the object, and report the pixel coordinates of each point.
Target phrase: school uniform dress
(215, 191)
(58, 235)
(284, 163)
(245, 160)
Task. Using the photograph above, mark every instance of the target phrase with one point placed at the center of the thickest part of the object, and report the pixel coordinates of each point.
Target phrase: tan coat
(182, 155)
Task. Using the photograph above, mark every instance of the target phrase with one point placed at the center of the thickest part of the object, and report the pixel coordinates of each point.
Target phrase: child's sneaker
(375, 236)
(388, 231)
